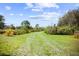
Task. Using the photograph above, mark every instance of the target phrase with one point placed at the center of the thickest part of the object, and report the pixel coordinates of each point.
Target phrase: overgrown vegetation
(60, 42)
(23, 29)
(67, 25)
(9, 32)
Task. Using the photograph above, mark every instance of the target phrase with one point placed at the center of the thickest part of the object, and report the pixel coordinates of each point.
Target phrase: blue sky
(43, 14)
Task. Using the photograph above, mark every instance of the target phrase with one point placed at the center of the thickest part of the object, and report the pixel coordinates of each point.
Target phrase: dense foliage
(70, 19)
(2, 22)
(9, 32)
(68, 24)
(64, 30)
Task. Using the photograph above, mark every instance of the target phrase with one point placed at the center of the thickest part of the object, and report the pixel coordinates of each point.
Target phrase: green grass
(39, 43)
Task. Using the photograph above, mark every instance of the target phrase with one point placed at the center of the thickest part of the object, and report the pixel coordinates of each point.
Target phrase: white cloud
(40, 6)
(8, 8)
(21, 14)
(36, 17)
(28, 5)
(11, 14)
(46, 16)
(50, 15)
(46, 5)
(37, 9)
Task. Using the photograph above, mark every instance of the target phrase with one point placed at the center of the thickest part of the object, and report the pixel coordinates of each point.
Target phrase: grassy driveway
(38, 43)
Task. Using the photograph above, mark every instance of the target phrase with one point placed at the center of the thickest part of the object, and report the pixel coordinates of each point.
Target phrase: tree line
(23, 29)
(67, 24)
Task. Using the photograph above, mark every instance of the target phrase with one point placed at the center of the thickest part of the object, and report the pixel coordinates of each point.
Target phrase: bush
(9, 32)
(65, 30)
(76, 34)
(1, 31)
(51, 30)
(47, 30)
(21, 31)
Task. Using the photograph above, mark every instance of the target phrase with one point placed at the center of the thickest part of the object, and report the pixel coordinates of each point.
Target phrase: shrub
(1, 31)
(21, 31)
(37, 29)
(9, 32)
(51, 30)
(47, 30)
(76, 34)
(65, 30)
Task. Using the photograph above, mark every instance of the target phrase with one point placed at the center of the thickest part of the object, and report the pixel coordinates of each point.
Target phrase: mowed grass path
(38, 44)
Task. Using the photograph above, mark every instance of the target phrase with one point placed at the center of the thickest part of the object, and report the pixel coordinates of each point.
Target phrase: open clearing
(38, 44)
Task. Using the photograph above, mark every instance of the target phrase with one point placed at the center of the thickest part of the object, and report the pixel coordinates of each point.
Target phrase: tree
(37, 26)
(70, 19)
(2, 22)
(25, 24)
(12, 26)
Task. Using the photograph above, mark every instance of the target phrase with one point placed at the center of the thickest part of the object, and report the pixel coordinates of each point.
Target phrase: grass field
(38, 44)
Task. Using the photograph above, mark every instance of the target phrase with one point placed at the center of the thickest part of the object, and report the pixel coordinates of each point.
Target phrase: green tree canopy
(12, 26)
(2, 22)
(25, 24)
(37, 26)
(71, 18)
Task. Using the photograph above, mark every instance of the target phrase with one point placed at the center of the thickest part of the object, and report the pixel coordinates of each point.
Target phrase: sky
(44, 14)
